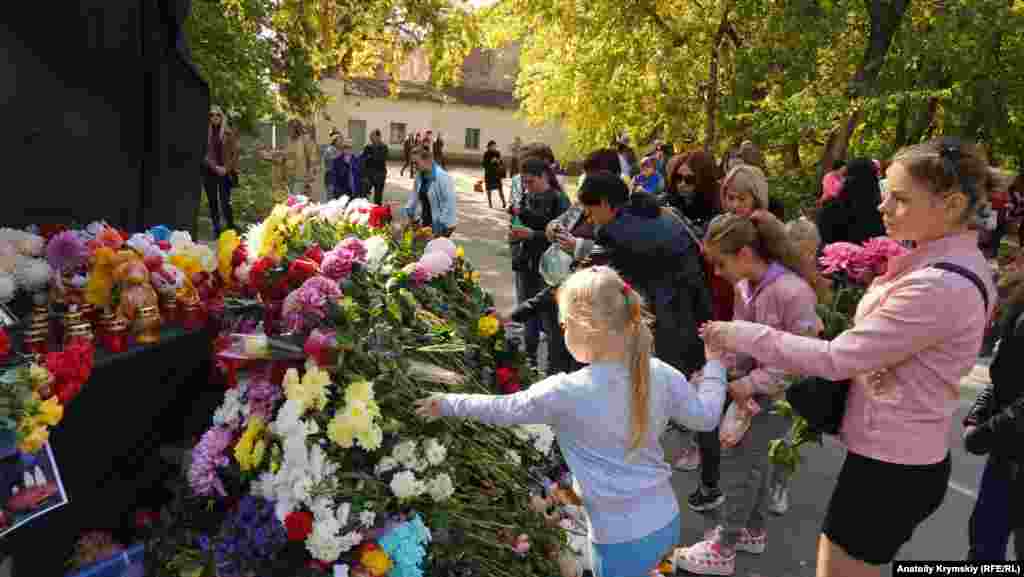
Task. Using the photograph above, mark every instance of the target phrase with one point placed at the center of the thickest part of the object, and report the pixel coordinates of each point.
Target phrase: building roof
(374, 88)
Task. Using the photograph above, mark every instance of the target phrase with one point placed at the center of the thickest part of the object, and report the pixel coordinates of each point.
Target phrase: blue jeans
(636, 558)
(994, 516)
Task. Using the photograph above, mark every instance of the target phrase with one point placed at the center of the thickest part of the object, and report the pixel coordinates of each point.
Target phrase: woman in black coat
(853, 215)
(995, 426)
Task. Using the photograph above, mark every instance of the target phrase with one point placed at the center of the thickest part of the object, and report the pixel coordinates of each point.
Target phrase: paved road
(793, 538)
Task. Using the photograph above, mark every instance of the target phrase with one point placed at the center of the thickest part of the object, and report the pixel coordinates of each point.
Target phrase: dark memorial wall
(103, 115)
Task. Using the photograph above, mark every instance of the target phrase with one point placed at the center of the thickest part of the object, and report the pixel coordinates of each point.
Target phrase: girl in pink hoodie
(916, 333)
(771, 288)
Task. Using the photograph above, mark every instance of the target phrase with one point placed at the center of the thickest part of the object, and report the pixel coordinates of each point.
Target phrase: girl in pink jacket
(755, 253)
(916, 333)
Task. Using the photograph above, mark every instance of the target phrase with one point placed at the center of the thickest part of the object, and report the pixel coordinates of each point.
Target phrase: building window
(473, 139)
(397, 132)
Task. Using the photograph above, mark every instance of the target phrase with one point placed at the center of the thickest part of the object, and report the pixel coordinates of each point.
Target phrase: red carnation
(259, 271)
(240, 255)
(5, 343)
(315, 254)
(299, 525)
(164, 245)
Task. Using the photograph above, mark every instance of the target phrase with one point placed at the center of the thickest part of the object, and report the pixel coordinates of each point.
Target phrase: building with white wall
(484, 108)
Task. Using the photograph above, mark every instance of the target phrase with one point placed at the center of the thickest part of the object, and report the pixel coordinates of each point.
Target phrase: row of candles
(112, 332)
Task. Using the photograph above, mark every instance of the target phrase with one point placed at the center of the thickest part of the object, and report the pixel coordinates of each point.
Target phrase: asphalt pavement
(793, 538)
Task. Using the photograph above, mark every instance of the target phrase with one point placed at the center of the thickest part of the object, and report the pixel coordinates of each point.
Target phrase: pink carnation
(337, 264)
(881, 249)
(355, 246)
(420, 274)
(306, 306)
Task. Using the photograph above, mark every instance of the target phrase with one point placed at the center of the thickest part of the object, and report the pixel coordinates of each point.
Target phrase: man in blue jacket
(432, 198)
(348, 178)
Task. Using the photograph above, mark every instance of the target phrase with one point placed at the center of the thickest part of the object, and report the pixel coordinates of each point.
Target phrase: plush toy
(132, 277)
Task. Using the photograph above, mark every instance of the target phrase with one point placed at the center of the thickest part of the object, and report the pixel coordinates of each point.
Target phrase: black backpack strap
(969, 275)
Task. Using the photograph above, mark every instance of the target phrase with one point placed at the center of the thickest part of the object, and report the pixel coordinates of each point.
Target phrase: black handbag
(822, 403)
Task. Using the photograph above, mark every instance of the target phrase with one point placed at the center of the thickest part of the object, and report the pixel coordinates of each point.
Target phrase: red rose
(508, 380)
(380, 216)
(299, 525)
(67, 391)
(318, 565)
(164, 245)
(302, 269)
(259, 270)
(315, 254)
(5, 343)
(146, 518)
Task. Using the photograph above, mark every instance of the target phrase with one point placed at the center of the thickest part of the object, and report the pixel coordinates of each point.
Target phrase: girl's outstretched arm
(541, 404)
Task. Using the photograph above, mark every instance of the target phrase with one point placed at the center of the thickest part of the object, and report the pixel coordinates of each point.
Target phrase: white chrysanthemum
(405, 454)
(343, 512)
(324, 543)
(230, 411)
(288, 418)
(435, 452)
(139, 242)
(207, 258)
(405, 485)
(367, 519)
(322, 507)
(543, 436)
(370, 439)
(376, 251)
(181, 239)
(513, 457)
(385, 465)
(31, 274)
(254, 238)
(441, 488)
(7, 288)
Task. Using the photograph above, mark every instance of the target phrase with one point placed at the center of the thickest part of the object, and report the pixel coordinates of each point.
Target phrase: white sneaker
(778, 500)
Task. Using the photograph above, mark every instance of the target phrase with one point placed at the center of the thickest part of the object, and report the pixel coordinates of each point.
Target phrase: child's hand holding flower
(429, 408)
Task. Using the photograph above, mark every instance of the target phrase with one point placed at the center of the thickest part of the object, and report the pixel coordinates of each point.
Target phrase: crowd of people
(689, 260)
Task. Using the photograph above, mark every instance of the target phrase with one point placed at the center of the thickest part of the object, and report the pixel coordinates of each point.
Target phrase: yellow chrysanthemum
(487, 326)
(361, 391)
(258, 450)
(245, 449)
(460, 252)
(376, 561)
(51, 412)
(475, 276)
(226, 245)
(340, 432)
(35, 440)
(271, 234)
(311, 391)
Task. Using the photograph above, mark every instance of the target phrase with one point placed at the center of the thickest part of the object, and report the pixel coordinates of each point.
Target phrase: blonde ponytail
(640, 343)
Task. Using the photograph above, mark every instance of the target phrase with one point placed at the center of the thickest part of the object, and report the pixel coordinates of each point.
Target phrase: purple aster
(66, 251)
(207, 456)
(263, 394)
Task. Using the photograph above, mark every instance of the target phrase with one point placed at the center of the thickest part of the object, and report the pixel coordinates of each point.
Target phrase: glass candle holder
(192, 316)
(148, 326)
(170, 308)
(36, 343)
(117, 336)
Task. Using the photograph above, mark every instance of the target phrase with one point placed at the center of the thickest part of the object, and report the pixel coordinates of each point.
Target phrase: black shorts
(876, 506)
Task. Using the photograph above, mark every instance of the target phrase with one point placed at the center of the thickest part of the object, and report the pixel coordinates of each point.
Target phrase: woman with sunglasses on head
(904, 356)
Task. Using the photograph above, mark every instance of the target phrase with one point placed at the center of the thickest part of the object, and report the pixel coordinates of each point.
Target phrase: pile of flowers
(28, 408)
(358, 483)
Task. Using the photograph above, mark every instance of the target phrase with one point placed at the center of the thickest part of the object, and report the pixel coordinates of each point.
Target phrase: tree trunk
(711, 104)
(792, 154)
(886, 18)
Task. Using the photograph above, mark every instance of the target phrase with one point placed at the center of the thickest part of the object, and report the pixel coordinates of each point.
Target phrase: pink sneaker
(689, 460)
(749, 541)
(705, 558)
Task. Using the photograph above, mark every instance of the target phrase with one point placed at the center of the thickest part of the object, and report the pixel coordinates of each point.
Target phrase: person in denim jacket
(432, 199)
